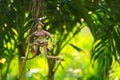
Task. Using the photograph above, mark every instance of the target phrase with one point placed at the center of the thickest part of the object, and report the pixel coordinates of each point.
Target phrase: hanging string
(36, 10)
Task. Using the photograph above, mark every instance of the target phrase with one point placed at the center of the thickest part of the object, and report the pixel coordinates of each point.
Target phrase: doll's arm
(48, 34)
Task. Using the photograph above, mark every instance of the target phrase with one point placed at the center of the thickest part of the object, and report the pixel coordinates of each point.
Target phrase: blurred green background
(86, 33)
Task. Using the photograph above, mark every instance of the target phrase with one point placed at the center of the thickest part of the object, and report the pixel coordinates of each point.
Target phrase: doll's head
(39, 25)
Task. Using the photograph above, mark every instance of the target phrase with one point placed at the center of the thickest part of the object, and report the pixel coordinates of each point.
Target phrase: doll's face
(39, 26)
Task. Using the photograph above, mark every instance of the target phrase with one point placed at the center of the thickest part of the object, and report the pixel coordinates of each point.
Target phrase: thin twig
(58, 66)
(22, 70)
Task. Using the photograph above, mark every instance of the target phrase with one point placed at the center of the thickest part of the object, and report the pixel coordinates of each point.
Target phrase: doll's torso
(40, 36)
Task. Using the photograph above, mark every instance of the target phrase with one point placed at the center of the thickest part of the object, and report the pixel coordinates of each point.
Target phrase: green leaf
(75, 47)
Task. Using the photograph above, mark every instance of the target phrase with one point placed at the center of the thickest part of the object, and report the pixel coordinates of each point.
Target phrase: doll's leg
(50, 57)
(35, 51)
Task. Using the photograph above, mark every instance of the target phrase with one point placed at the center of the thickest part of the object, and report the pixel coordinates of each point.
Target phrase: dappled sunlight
(2, 60)
(77, 63)
(37, 68)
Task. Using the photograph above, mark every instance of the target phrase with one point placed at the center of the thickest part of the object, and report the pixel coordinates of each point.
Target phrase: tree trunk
(50, 75)
(51, 72)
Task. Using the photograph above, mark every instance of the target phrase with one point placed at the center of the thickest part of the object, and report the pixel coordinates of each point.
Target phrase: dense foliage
(64, 19)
